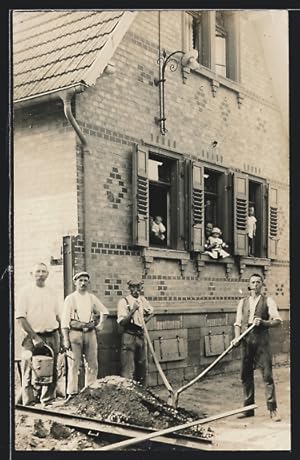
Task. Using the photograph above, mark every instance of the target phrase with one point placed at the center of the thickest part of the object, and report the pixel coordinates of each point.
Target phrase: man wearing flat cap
(134, 311)
(82, 314)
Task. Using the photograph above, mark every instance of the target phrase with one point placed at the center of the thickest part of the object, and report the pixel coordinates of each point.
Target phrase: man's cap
(216, 230)
(79, 274)
(135, 282)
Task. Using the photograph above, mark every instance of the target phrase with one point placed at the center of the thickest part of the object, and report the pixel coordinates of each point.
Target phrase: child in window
(251, 231)
(214, 245)
(157, 228)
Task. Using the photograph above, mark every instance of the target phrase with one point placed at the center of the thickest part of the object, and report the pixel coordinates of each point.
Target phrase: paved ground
(220, 393)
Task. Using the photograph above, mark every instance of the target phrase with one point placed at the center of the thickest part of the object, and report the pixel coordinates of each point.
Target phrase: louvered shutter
(272, 222)
(240, 193)
(140, 187)
(196, 207)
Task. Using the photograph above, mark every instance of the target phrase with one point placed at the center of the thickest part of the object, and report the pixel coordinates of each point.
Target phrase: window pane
(221, 56)
(159, 208)
(210, 197)
(159, 169)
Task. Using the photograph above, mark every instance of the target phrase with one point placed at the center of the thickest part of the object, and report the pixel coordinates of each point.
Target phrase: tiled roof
(56, 49)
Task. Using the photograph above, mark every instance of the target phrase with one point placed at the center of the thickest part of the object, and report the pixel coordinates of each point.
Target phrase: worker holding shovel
(261, 311)
(133, 311)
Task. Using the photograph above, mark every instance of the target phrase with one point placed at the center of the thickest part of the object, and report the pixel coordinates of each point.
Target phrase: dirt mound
(117, 399)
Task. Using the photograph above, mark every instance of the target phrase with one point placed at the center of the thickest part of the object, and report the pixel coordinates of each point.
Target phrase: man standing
(82, 313)
(262, 311)
(37, 313)
(133, 311)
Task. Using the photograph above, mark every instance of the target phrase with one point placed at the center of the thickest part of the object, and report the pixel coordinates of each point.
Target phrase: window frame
(187, 187)
(142, 221)
(207, 45)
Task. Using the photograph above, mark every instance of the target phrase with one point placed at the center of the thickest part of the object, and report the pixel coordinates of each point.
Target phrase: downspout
(66, 97)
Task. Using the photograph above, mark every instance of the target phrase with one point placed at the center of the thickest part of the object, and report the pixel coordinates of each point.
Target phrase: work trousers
(133, 357)
(256, 353)
(37, 393)
(83, 344)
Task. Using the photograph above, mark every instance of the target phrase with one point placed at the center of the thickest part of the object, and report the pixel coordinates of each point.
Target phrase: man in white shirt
(82, 314)
(37, 313)
(256, 352)
(134, 311)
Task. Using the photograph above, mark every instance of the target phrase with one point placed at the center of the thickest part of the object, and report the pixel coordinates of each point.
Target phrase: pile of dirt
(117, 399)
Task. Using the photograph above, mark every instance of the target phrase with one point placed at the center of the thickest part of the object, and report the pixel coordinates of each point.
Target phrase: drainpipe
(66, 97)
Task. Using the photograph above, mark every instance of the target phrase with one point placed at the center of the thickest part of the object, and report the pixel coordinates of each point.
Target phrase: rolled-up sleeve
(99, 306)
(122, 310)
(148, 309)
(239, 314)
(21, 309)
(273, 310)
(66, 313)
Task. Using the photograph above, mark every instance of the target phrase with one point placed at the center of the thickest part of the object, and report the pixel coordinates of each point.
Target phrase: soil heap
(117, 399)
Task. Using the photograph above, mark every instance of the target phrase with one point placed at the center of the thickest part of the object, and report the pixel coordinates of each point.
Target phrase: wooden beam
(172, 429)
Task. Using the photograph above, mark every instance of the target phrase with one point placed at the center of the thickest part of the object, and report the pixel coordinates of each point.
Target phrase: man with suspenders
(133, 311)
(256, 351)
(82, 313)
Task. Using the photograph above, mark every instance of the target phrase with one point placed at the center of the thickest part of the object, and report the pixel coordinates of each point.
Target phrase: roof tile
(53, 49)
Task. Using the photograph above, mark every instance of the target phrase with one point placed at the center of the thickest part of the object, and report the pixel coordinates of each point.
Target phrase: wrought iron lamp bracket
(171, 62)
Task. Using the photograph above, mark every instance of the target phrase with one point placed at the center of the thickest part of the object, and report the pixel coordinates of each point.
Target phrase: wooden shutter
(272, 222)
(224, 207)
(140, 199)
(196, 220)
(240, 193)
(208, 22)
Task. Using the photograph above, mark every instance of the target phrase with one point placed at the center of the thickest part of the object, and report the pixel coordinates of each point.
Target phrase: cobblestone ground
(223, 392)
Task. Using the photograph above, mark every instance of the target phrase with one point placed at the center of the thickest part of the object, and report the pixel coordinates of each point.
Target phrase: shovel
(173, 399)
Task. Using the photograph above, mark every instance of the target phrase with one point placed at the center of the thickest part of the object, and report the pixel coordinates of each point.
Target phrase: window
(160, 200)
(215, 35)
(158, 189)
(175, 198)
(221, 45)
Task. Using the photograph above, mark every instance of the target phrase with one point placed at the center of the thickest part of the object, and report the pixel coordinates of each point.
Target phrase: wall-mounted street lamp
(187, 60)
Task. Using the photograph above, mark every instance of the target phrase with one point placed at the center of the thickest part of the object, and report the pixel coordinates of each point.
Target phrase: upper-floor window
(215, 35)
(175, 200)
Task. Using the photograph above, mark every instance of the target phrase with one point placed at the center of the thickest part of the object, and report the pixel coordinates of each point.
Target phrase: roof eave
(48, 95)
(106, 53)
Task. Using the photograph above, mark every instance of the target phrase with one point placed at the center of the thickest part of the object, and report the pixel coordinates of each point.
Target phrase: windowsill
(149, 254)
(206, 258)
(164, 253)
(202, 259)
(246, 261)
(258, 261)
(219, 79)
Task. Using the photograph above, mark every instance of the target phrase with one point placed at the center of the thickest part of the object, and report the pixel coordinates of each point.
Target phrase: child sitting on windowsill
(214, 245)
(157, 228)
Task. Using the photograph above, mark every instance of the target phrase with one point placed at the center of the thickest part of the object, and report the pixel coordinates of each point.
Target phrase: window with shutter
(273, 236)
(196, 197)
(240, 198)
(157, 191)
(140, 185)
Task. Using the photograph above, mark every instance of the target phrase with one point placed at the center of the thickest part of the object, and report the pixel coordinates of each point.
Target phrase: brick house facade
(84, 202)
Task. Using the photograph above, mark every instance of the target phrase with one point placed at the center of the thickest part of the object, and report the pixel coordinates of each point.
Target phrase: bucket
(42, 365)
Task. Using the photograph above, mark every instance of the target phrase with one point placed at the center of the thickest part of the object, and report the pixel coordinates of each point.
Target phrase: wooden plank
(111, 428)
(130, 442)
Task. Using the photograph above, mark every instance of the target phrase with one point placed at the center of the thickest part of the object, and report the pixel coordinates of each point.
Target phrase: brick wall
(119, 111)
(250, 138)
(45, 196)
